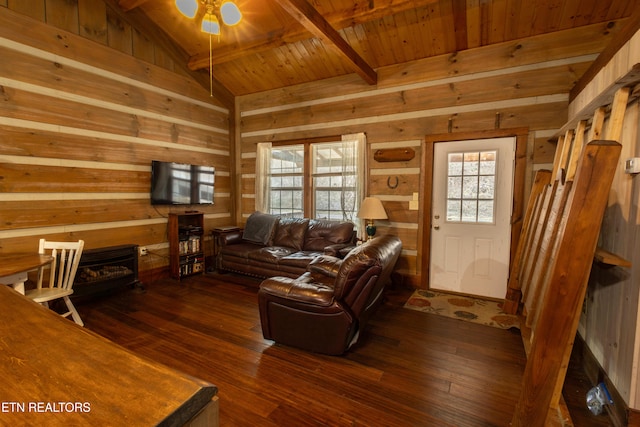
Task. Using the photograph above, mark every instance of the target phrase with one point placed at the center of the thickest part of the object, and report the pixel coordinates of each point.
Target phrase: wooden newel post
(567, 280)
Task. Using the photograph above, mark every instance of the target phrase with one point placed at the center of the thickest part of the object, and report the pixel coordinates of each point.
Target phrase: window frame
(308, 198)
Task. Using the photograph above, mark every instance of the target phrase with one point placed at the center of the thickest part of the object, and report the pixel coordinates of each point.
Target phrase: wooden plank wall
(86, 103)
(511, 85)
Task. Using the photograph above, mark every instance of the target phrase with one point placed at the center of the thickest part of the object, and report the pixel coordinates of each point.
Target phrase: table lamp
(371, 209)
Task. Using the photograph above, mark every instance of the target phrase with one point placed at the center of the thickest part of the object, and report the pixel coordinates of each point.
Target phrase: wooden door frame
(426, 189)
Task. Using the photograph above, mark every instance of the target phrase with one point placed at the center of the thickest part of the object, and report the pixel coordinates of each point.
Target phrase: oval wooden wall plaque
(394, 154)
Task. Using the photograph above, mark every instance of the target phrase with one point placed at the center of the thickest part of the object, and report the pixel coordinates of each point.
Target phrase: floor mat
(464, 308)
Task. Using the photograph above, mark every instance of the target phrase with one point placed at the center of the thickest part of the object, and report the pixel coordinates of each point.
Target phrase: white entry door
(471, 223)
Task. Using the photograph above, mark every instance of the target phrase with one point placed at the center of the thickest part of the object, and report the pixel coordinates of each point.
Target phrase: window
(286, 181)
(313, 179)
(335, 176)
(471, 187)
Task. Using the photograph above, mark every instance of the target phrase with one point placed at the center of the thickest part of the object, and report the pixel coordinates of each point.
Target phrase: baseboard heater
(104, 270)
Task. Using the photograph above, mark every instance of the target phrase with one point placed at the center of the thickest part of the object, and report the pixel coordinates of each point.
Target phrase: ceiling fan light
(210, 25)
(187, 7)
(230, 13)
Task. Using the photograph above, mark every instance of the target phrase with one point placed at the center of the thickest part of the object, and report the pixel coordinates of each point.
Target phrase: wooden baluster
(567, 279)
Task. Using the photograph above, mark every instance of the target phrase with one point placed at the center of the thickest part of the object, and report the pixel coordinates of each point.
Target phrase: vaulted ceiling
(280, 43)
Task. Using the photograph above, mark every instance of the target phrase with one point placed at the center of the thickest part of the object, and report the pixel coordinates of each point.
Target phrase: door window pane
(455, 164)
(485, 211)
(471, 187)
(488, 163)
(469, 210)
(486, 187)
(470, 166)
(454, 209)
(455, 187)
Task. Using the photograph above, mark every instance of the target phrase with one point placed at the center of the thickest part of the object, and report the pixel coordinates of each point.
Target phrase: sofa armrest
(298, 290)
(339, 250)
(230, 238)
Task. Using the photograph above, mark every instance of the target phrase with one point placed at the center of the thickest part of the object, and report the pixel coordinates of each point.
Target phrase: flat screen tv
(181, 184)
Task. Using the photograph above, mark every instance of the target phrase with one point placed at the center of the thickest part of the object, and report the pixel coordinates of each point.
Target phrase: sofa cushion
(325, 265)
(270, 254)
(300, 259)
(240, 250)
(259, 228)
(352, 268)
(290, 233)
(323, 233)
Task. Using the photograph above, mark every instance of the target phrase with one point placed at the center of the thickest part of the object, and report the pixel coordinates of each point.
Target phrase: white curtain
(357, 162)
(263, 171)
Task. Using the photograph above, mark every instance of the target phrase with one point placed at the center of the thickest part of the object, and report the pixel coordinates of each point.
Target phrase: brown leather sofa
(326, 308)
(272, 246)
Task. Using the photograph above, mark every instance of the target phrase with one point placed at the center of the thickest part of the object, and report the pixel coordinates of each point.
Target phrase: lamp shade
(211, 25)
(371, 208)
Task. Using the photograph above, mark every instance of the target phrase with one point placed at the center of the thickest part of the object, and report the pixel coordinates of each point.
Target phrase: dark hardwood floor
(409, 368)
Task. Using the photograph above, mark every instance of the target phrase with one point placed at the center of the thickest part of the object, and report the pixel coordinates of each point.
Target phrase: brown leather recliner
(325, 309)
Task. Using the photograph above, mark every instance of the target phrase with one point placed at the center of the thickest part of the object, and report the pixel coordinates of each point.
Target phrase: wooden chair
(66, 257)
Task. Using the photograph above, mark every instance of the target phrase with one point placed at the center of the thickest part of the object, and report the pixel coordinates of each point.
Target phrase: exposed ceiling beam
(319, 27)
(363, 12)
(128, 5)
(142, 23)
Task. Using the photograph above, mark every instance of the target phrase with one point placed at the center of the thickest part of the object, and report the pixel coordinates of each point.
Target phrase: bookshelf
(186, 244)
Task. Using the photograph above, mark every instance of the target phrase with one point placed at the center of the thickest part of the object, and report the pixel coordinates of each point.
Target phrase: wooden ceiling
(281, 43)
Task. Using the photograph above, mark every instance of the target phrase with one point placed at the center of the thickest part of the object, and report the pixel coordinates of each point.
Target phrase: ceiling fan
(215, 12)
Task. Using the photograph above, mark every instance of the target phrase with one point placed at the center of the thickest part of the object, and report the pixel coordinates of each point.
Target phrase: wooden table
(56, 373)
(14, 268)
